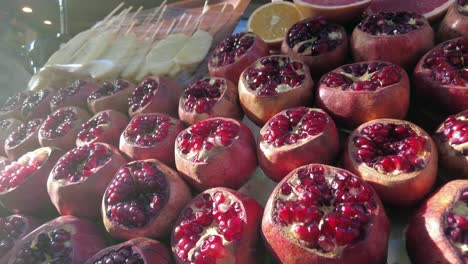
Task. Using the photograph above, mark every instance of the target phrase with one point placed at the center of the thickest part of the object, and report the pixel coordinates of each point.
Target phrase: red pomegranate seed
(147, 130)
(143, 94)
(231, 49)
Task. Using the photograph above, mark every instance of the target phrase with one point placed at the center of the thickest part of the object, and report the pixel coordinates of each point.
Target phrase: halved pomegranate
(7, 126)
(438, 233)
(455, 22)
(218, 226)
(24, 139)
(111, 95)
(61, 127)
(73, 95)
(234, 54)
(273, 84)
(323, 214)
(451, 139)
(65, 239)
(12, 229)
(296, 137)
(356, 93)
(37, 105)
(396, 157)
(23, 182)
(400, 38)
(155, 95)
(11, 108)
(209, 97)
(216, 152)
(78, 180)
(138, 251)
(441, 76)
(151, 136)
(143, 200)
(323, 46)
(105, 126)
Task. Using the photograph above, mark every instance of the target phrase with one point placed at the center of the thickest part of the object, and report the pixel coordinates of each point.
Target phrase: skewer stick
(171, 27)
(98, 24)
(217, 18)
(132, 20)
(158, 22)
(187, 22)
(198, 20)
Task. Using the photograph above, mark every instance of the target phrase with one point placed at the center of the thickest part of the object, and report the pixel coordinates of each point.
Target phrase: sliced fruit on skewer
(137, 60)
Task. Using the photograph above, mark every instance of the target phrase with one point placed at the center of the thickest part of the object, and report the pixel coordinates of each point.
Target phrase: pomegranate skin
(112, 130)
(241, 251)
(233, 71)
(426, 241)
(451, 157)
(162, 150)
(63, 97)
(402, 49)
(353, 108)
(86, 238)
(276, 163)
(117, 101)
(40, 110)
(150, 251)
(160, 225)
(454, 24)
(83, 199)
(67, 141)
(227, 106)
(404, 189)
(165, 98)
(11, 108)
(29, 225)
(30, 143)
(371, 249)
(221, 167)
(7, 127)
(37, 202)
(260, 109)
(453, 98)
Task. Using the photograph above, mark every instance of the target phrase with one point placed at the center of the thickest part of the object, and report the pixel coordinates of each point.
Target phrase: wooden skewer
(132, 20)
(187, 22)
(109, 15)
(217, 19)
(158, 22)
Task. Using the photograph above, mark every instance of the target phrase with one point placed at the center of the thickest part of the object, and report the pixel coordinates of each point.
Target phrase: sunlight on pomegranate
(37, 104)
(105, 126)
(11, 108)
(24, 139)
(7, 126)
(111, 95)
(73, 95)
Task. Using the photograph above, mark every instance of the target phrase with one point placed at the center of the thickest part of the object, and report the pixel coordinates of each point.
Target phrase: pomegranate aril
(108, 89)
(143, 94)
(58, 123)
(231, 49)
(203, 95)
(147, 130)
(391, 23)
(23, 131)
(32, 101)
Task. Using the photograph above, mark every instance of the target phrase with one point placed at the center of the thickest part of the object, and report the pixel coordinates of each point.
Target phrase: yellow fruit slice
(271, 21)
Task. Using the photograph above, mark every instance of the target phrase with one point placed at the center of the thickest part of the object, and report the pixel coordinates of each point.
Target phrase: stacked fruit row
(135, 164)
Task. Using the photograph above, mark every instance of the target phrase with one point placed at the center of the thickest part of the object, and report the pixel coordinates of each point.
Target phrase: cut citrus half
(271, 21)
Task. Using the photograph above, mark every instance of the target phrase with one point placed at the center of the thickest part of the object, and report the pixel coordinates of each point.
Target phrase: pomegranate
(37, 105)
(441, 76)
(24, 139)
(23, 182)
(61, 127)
(65, 239)
(273, 84)
(400, 38)
(106, 126)
(151, 136)
(143, 200)
(451, 139)
(12, 229)
(296, 137)
(73, 95)
(323, 214)
(138, 250)
(153, 95)
(218, 226)
(323, 46)
(209, 97)
(216, 152)
(356, 93)
(455, 22)
(396, 157)
(11, 108)
(111, 95)
(341, 11)
(234, 54)
(78, 180)
(438, 232)
(7, 126)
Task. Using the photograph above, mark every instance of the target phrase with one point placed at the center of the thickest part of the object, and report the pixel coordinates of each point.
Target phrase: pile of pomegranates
(166, 169)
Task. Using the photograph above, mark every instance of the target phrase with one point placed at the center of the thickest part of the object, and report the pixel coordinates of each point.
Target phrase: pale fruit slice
(136, 62)
(338, 11)
(95, 47)
(195, 50)
(160, 59)
(55, 77)
(67, 51)
(110, 64)
(272, 21)
(431, 9)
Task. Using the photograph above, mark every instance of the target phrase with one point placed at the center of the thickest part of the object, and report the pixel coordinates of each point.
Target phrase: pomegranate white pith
(296, 137)
(396, 157)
